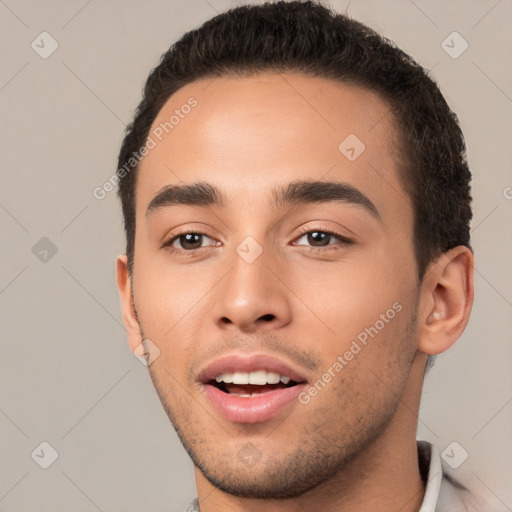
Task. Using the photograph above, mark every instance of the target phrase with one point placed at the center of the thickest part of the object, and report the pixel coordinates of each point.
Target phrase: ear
(446, 300)
(125, 292)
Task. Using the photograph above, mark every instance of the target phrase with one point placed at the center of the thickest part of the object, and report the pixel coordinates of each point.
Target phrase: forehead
(255, 132)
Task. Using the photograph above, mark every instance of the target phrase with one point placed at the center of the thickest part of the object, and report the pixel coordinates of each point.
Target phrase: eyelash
(343, 241)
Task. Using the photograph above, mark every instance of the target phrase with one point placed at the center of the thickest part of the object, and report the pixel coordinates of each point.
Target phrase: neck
(384, 477)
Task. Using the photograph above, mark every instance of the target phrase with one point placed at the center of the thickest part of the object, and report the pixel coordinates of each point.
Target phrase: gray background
(67, 375)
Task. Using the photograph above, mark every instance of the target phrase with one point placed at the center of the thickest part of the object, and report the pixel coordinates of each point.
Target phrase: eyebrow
(294, 193)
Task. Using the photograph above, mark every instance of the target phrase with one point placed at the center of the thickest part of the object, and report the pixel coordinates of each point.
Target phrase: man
(296, 203)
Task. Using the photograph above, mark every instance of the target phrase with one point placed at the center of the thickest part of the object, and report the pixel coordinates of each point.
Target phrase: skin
(353, 446)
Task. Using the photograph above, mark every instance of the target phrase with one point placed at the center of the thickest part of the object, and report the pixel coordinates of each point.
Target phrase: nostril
(268, 317)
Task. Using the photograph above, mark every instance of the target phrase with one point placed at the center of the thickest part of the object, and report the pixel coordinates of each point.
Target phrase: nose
(252, 296)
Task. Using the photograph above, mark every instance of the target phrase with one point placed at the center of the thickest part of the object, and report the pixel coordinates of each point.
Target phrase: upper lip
(248, 363)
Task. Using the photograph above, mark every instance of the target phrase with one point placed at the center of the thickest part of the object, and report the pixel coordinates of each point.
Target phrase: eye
(188, 242)
(319, 238)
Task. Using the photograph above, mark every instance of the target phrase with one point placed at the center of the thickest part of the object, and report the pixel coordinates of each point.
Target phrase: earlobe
(446, 300)
(124, 286)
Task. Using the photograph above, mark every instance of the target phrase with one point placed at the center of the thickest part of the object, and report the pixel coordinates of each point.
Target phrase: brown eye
(321, 238)
(318, 238)
(188, 241)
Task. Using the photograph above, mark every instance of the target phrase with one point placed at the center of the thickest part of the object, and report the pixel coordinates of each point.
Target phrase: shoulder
(456, 490)
(454, 496)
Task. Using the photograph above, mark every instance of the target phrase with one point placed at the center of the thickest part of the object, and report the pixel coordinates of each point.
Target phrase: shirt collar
(430, 463)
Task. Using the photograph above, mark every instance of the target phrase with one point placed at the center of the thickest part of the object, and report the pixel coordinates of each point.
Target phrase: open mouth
(248, 390)
(251, 384)
(251, 390)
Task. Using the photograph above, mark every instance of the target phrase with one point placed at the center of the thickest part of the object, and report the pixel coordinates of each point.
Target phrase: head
(299, 189)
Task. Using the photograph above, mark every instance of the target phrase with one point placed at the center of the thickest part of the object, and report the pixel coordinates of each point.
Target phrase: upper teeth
(260, 377)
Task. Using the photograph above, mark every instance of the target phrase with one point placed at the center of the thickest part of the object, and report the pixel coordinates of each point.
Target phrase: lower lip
(254, 409)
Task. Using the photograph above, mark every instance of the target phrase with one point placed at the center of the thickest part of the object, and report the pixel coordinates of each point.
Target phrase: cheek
(344, 298)
(362, 314)
(364, 374)
(169, 299)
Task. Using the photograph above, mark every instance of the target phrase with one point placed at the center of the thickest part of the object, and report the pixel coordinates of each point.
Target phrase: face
(316, 284)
